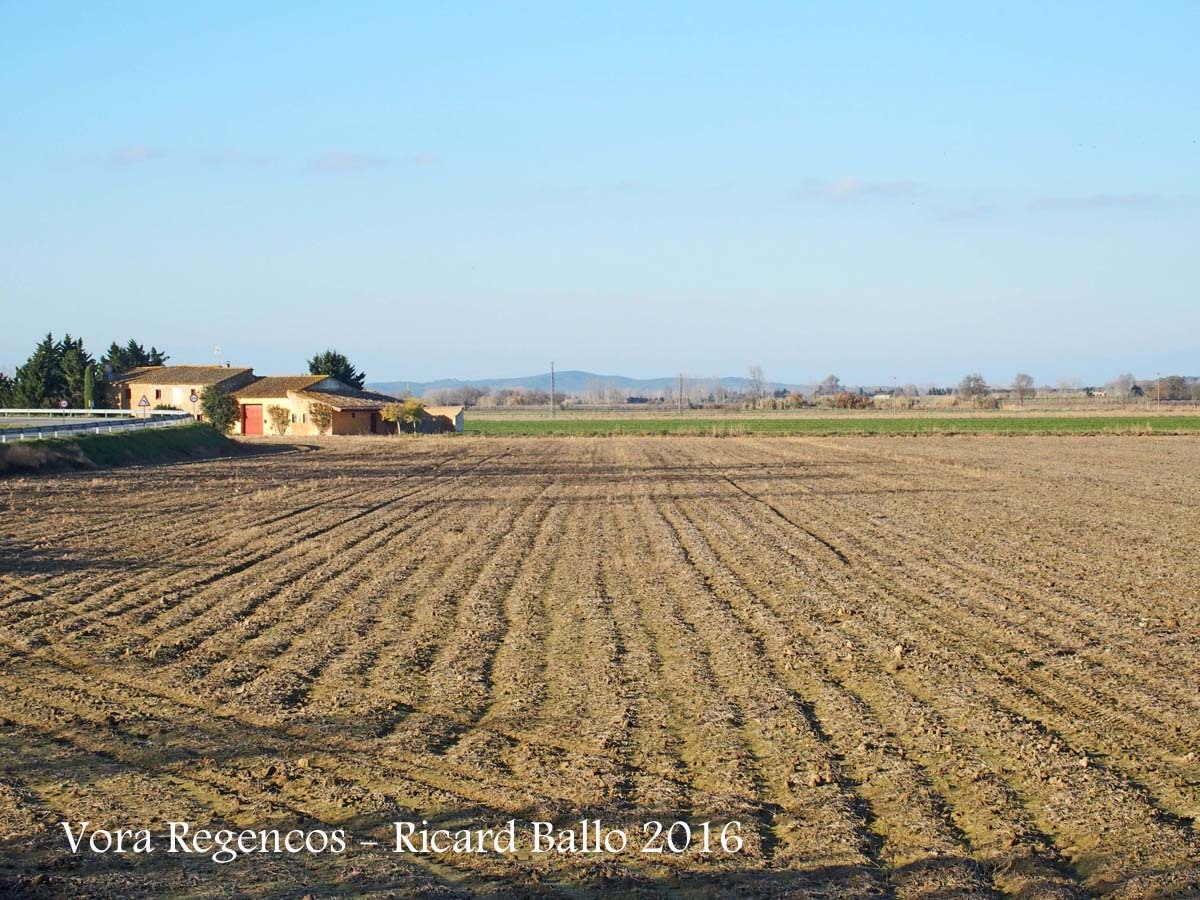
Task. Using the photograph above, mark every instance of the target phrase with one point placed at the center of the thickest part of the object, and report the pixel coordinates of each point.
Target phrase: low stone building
(144, 388)
(289, 404)
(452, 413)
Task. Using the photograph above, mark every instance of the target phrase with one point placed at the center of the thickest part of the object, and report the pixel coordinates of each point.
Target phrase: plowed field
(909, 667)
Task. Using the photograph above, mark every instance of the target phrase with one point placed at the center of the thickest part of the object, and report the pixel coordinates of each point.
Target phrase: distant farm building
(149, 386)
(273, 404)
(352, 411)
(453, 414)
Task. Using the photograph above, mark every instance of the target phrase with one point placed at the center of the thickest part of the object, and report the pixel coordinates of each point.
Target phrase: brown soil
(933, 667)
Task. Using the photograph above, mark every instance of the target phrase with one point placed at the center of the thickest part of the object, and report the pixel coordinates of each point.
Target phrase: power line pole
(1158, 378)
(681, 393)
(552, 389)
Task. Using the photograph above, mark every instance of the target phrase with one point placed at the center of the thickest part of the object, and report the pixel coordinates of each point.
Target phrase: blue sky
(913, 190)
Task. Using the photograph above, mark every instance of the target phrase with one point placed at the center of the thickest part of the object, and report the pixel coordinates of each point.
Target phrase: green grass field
(842, 426)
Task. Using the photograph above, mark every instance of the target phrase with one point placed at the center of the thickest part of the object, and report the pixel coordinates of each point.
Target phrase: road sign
(62, 404)
(195, 397)
(143, 401)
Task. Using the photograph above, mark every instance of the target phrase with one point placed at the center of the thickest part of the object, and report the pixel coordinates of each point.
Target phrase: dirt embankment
(91, 451)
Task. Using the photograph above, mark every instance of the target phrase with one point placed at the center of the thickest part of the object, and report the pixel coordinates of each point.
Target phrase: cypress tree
(89, 387)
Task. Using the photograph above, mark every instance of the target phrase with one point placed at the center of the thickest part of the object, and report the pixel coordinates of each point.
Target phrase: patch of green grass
(843, 426)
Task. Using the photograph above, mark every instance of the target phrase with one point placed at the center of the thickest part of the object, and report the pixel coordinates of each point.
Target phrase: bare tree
(972, 386)
(1022, 386)
(718, 390)
(830, 384)
(1123, 384)
(758, 384)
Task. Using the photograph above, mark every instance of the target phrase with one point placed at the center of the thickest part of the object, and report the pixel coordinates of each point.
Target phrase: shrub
(847, 400)
(219, 408)
(281, 418)
(322, 416)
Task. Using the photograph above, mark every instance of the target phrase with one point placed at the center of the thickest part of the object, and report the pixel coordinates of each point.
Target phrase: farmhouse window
(157, 394)
(293, 418)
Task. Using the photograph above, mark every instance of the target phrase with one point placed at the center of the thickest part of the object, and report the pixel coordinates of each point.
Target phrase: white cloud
(133, 155)
(345, 161)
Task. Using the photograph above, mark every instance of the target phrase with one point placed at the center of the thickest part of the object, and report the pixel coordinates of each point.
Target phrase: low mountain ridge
(571, 381)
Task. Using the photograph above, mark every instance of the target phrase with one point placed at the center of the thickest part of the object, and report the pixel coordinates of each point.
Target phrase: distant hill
(571, 381)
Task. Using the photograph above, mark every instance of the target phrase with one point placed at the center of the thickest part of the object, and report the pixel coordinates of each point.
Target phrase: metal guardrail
(52, 411)
(158, 419)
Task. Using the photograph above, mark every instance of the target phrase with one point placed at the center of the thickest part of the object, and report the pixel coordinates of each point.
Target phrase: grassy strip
(832, 426)
(121, 448)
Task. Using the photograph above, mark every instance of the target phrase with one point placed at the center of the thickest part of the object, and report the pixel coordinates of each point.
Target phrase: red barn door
(252, 418)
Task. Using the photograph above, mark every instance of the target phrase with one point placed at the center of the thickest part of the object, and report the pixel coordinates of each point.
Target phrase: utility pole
(1158, 378)
(552, 389)
(894, 387)
(681, 393)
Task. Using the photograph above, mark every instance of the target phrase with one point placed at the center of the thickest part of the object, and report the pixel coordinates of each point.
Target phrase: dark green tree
(39, 383)
(74, 363)
(122, 359)
(336, 364)
(115, 359)
(6, 390)
(219, 408)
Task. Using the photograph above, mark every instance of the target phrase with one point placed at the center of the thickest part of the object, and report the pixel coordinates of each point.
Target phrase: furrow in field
(310, 775)
(902, 808)
(782, 750)
(1069, 815)
(1079, 604)
(125, 594)
(1069, 701)
(889, 744)
(224, 792)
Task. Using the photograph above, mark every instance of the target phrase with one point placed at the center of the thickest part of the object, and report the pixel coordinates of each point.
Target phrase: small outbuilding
(454, 414)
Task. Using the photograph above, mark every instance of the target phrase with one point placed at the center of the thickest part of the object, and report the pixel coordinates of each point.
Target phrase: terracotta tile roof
(357, 400)
(184, 375)
(278, 385)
